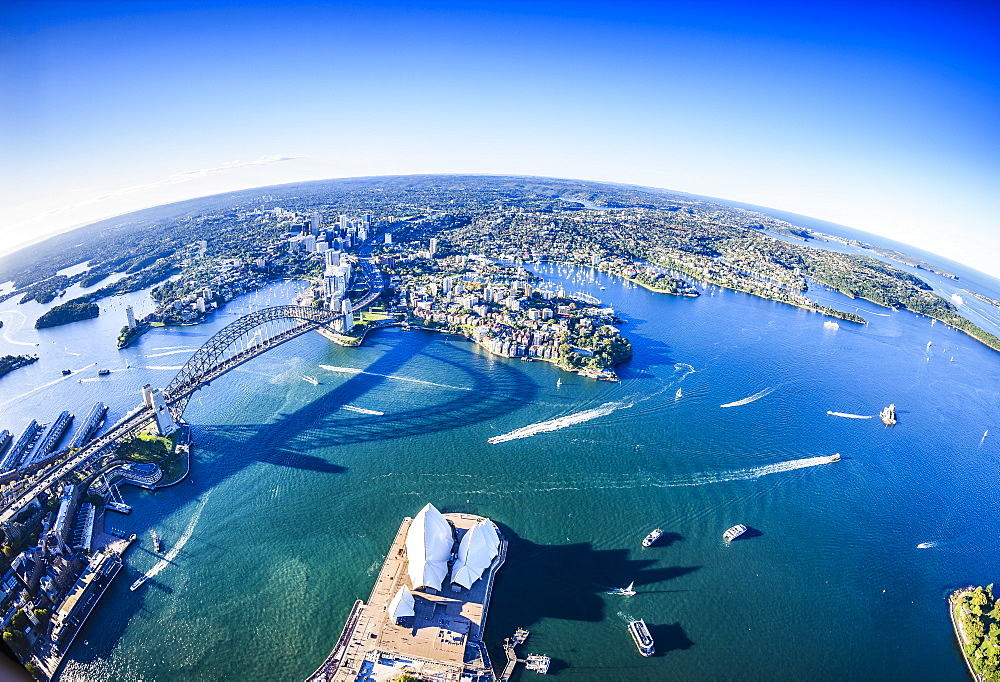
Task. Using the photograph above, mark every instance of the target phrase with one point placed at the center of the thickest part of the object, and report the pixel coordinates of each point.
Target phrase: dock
(536, 662)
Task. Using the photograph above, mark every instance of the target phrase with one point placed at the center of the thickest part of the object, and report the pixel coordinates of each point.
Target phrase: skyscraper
(130, 316)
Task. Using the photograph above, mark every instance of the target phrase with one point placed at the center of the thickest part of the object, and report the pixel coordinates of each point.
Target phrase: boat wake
(361, 410)
(171, 352)
(849, 415)
(352, 370)
(757, 472)
(164, 367)
(6, 333)
(750, 399)
(688, 369)
(927, 545)
(558, 423)
(51, 383)
(181, 541)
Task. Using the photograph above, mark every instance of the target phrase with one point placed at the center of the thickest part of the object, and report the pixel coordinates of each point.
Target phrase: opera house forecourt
(427, 610)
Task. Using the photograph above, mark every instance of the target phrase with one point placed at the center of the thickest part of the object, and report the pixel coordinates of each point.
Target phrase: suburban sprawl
(449, 254)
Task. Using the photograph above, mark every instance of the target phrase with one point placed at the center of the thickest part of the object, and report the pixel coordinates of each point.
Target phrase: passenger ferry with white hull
(640, 634)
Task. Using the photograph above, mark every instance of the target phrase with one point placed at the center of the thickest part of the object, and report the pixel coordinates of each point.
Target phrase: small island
(975, 616)
(70, 311)
(8, 363)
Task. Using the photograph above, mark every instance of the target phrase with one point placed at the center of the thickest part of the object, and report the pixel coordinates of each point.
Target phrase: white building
(428, 548)
(130, 316)
(477, 550)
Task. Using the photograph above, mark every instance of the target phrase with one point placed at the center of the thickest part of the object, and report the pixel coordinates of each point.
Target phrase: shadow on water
(561, 582)
(667, 539)
(750, 533)
(669, 638)
(288, 441)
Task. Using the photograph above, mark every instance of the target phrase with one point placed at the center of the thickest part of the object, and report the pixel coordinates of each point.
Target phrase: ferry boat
(651, 538)
(138, 583)
(888, 415)
(157, 542)
(734, 532)
(103, 372)
(643, 640)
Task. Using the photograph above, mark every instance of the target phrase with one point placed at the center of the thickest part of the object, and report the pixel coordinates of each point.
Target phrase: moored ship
(888, 415)
(643, 640)
(734, 532)
(652, 538)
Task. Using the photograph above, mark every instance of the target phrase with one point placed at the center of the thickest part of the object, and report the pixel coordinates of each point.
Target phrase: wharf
(444, 640)
(78, 605)
(536, 662)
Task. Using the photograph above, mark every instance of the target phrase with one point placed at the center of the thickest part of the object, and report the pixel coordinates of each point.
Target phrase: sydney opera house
(427, 610)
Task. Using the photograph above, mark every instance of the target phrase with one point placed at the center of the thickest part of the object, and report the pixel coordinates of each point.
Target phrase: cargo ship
(888, 415)
(643, 640)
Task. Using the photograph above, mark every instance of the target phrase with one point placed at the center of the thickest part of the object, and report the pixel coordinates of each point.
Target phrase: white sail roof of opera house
(479, 546)
(401, 605)
(428, 547)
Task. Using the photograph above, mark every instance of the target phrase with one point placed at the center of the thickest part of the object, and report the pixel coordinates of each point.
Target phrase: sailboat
(679, 393)
(558, 382)
(626, 591)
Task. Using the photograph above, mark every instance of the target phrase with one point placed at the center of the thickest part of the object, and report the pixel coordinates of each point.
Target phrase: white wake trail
(6, 333)
(181, 541)
(557, 423)
(171, 352)
(849, 415)
(352, 370)
(750, 399)
(51, 383)
(361, 410)
(688, 369)
(757, 472)
(164, 367)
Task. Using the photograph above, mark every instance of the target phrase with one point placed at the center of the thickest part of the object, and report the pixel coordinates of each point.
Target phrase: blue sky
(881, 116)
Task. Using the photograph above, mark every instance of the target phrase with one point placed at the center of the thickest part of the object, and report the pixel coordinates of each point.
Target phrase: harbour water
(296, 489)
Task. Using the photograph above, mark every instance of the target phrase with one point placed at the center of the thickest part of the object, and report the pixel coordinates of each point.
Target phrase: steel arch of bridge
(205, 364)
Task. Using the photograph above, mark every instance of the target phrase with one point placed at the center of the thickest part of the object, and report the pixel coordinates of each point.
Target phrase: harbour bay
(295, 500)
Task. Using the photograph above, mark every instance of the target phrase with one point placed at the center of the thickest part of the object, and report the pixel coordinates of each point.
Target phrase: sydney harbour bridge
(233, 345)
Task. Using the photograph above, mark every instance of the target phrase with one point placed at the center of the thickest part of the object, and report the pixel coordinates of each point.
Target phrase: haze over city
(878, 116)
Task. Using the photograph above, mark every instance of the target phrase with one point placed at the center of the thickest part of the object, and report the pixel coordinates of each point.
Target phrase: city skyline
(876, 117)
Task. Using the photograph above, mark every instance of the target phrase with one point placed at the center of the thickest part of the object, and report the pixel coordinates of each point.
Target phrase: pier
(536, 662)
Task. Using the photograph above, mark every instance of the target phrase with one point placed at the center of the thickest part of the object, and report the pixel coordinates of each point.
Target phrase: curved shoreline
(959, 631)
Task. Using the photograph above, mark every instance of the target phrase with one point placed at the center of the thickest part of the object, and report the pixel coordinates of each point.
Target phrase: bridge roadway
(143, 415)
